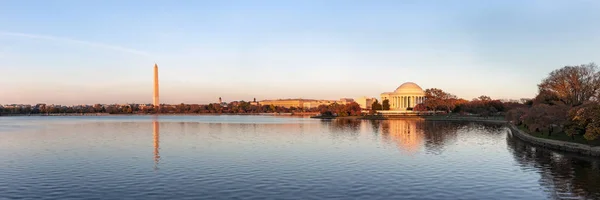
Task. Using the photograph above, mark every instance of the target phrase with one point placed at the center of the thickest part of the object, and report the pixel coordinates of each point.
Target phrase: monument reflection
(156, 135)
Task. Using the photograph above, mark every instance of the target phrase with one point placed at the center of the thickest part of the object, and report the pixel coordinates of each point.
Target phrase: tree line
(214, 108)
(340, 110)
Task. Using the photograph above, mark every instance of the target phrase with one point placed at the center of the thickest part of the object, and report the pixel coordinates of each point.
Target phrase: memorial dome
(409, 87)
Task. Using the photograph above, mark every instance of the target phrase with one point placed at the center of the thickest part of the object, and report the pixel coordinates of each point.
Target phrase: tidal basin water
(264, 157)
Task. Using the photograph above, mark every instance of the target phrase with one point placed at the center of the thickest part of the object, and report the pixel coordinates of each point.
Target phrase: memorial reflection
(566, 175)
(434, 136)
(407, 135)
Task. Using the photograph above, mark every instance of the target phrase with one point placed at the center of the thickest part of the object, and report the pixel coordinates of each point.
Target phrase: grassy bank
(561, 136)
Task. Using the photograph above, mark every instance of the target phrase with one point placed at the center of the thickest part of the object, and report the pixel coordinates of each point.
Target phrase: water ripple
(259, 157)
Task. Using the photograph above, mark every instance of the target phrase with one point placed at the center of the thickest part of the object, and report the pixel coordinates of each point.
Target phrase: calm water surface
(262, 157)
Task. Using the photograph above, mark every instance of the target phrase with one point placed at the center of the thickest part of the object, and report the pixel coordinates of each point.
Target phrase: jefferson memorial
(408, 95)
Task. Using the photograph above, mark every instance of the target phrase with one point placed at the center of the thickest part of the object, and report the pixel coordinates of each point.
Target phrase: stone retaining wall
(555, 144)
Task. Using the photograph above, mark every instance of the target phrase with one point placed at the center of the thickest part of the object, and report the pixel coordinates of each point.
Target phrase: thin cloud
(87, 43)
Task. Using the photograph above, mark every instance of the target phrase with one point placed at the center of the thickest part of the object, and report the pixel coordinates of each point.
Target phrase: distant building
(316, 103)
(365, 102)
(17, 106)
(140, 106)
(407, 95)
(304, 103)
(255, 103)
(221, 103)
(524, 100)
(346, 100)
(286, 103)
(509, 101)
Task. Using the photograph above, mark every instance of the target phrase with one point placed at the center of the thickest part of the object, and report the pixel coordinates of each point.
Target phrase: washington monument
(155, 97)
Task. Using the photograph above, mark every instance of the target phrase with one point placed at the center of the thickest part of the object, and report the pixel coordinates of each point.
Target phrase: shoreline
(555, 144)
(423, 117)
(160, 114)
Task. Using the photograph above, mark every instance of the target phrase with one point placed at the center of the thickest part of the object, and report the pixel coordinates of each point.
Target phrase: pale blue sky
(73, 52)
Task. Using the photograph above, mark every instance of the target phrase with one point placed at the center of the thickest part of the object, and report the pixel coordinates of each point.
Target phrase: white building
(408, 95)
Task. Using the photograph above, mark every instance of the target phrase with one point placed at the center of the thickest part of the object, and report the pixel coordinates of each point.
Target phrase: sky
(87, 52)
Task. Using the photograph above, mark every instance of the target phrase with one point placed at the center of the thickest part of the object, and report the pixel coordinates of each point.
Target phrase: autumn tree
(437, 99)
(350, 109)
(181, 108)
(555, 116)
(534, 118)
(482, 106)
(484, 98)
(420, 107)
(353, 109)
(574, 85)
(514, 105)
(566, 99)
(547, 97)
(376, 105)
(97, 107)
(516, 115)
(386, 104)
(585, 120)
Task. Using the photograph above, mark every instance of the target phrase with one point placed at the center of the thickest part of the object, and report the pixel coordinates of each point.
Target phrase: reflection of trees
(564, 174)
(343, 126)
(439, 133)
(347, 125)
(491, 128)
(410, 134)
(406, 134)
(375, 124)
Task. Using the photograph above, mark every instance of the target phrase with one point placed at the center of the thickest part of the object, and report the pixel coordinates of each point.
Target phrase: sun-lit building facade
(155, 100)
(365, 102)
(407, 95)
